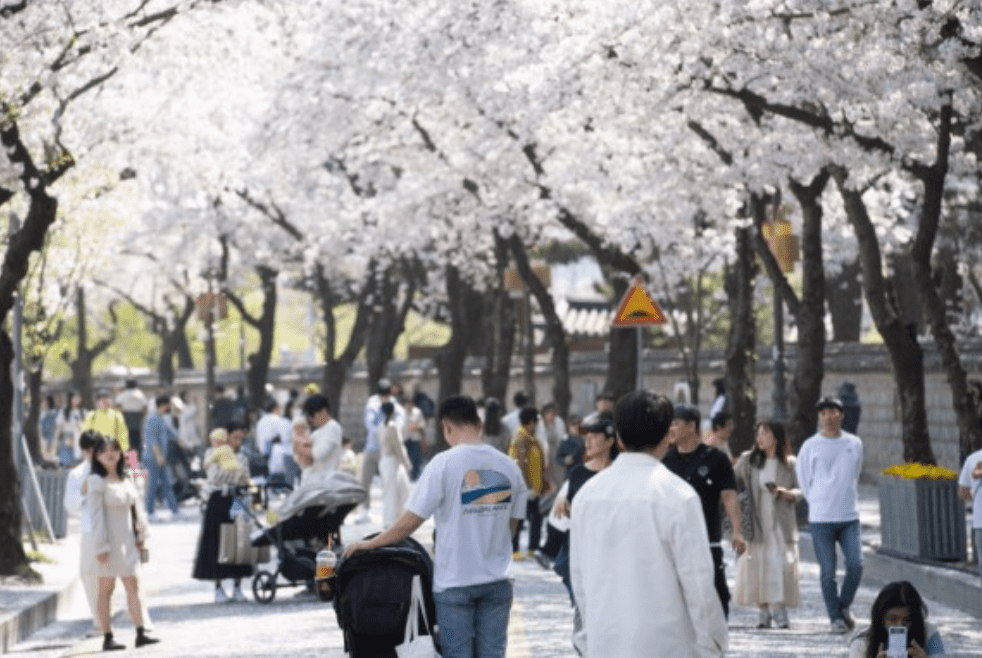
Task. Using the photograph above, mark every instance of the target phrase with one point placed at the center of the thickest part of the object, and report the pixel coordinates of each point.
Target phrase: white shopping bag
(415, 645)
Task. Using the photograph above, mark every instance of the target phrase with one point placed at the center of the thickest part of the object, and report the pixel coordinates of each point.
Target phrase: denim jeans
(415, 452)
(474, 619)
(978, 548)
(534, 518)
(158, 477)
(824, 538)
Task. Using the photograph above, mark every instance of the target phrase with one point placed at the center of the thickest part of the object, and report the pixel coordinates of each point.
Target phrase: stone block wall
(865, 365)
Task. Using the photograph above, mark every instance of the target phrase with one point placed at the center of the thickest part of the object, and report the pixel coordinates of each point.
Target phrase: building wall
(865, 365)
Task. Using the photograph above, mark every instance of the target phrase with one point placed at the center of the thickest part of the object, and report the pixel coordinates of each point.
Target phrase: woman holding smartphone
(767, 573)
(897, 617)
(118, 530)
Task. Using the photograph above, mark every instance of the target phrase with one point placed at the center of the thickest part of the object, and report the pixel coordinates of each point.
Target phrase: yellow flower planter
(921, 515)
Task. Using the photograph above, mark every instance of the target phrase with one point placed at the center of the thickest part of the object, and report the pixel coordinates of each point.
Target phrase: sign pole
(639, 332)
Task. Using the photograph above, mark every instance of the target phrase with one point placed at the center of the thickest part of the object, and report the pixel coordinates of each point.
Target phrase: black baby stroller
(310, 518)
(372, 595)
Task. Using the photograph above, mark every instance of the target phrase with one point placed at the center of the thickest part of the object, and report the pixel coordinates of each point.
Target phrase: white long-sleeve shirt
(74, 498)
(828, 472)
(641, 566)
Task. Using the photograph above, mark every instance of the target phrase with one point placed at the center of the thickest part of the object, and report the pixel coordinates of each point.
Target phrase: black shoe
(143, 640)
(108, 644)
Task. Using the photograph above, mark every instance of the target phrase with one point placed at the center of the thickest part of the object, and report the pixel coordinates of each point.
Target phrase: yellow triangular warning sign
(638, 309)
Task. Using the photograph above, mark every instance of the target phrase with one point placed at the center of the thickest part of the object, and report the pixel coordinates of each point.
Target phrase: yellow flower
(917, 471)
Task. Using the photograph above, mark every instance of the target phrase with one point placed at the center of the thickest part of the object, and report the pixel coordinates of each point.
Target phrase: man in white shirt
(640, 563)
(970, 490)
(268, 426)
(476, 496)
(325, 445)
(75, 506)
(510, 419)
(828, 468)
(604, 405)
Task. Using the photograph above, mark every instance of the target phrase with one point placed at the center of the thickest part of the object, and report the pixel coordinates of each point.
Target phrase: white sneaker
(839, 627)
(220, 595)
(237, 595)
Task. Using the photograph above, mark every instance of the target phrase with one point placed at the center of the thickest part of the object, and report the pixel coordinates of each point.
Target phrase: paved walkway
(296, 624)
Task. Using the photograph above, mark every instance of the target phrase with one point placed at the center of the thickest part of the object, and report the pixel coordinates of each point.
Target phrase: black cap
(688, 413)
(829, 402)
(384, 387)
(603, 426)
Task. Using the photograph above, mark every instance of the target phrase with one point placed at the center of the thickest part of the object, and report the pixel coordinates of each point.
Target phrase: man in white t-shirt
(970, 490)
(268, 426)
(476, 496)
(828, 468)
(325, 440)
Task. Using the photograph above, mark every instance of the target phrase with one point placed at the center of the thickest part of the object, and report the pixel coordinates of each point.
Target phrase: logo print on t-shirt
(482, 487)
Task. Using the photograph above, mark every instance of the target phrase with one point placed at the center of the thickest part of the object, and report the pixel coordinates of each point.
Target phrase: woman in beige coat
(767, 573)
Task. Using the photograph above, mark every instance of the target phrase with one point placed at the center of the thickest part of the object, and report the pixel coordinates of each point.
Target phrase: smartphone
(897, 642)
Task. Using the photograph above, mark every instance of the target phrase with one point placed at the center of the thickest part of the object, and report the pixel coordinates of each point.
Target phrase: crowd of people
(610, 502)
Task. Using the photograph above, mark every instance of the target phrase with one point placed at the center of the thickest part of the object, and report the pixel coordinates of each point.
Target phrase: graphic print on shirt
(484, 491)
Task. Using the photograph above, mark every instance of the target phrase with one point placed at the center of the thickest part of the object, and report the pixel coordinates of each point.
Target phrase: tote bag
(415, 645)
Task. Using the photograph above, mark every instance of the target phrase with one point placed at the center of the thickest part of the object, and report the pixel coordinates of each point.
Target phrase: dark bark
(499, 329)
(336, 367)
(42, 212)
(392, 305)
(741, 345)
(257, 372)
(809, 368)
(933, 179)
(845, 298)
(81, 365)
(13, 560)
(464, 306)
(555, 332)
(906, 355)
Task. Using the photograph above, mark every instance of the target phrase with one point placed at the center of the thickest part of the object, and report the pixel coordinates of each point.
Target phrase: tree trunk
(933, 178)
(388, 321)
(809, 367)
(900, 338)
(555, 332)
(257, 372)
(12, 558)
(465, 306)
(845, 297)
(81, 366)
(741, 394)
(499, 329)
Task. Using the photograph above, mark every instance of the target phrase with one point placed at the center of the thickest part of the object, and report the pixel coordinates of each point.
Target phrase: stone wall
(865, 365)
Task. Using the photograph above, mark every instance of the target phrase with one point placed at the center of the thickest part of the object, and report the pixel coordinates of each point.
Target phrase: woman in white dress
(394, 467)
(767, 573)
(118, 530)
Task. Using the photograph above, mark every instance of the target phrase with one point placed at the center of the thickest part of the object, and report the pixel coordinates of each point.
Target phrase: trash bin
(922, 519)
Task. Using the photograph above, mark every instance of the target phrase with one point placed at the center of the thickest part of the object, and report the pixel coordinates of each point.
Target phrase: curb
(953, 587)
(19, 624)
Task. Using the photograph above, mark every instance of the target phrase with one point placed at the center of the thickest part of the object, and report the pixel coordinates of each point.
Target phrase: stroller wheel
(264, 587)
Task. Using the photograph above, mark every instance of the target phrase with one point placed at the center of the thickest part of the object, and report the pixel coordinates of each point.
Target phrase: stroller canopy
(324, 489)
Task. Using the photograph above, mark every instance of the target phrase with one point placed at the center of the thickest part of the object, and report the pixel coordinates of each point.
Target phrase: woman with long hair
(897, 604)
(767, 573)
(118, 529)
(494, 431)
(394, 466)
